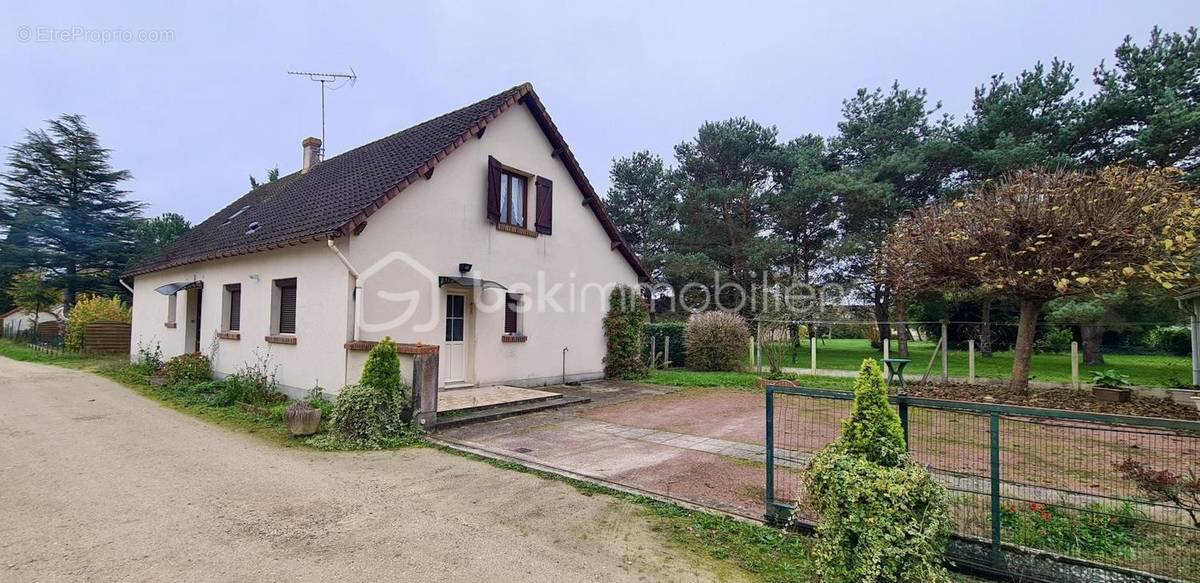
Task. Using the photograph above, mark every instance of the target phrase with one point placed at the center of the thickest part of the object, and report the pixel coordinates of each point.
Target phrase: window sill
(170, 325)
(281, 339)
(507, 228)
(229, 335)
(514, 338)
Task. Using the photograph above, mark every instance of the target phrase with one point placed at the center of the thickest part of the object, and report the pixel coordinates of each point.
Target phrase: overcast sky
(201, 100)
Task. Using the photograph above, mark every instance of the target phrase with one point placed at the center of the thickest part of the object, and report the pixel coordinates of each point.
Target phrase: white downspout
(357, 288)
(125, 285)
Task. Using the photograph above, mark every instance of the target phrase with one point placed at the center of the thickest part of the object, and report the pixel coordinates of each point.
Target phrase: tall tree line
(65, 218)
(744, 203)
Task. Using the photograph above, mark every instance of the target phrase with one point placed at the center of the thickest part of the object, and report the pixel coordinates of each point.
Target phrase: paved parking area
(700, 445)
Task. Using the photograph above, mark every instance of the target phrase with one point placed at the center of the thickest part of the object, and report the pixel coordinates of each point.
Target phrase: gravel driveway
(99, 483)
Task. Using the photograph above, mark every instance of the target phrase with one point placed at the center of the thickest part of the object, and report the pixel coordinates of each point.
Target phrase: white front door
(454, 350)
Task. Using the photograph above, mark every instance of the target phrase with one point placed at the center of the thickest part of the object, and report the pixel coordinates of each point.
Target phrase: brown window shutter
(545, 205)
(493, 190)
(287, 306)
(235, 307)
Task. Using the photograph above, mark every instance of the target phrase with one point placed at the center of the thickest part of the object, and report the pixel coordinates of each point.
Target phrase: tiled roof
(338, 194)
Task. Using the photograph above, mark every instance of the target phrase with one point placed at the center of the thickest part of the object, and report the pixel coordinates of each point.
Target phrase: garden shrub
(254, 383)
(716, 341)
(89, 309)
(1054, 340)
(624, 329)
(188, 369)
(664, 330)
(148, 358)
(1175, 340)
(379, 406)
(883, 517)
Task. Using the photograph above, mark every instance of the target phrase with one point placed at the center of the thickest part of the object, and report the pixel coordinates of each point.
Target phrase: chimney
(312, 154)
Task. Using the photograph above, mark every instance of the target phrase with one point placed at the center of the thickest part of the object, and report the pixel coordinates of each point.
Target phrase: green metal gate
(1033, 491)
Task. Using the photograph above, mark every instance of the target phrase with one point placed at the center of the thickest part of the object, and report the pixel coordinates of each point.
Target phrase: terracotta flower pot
(1111, 395)
(302, 418)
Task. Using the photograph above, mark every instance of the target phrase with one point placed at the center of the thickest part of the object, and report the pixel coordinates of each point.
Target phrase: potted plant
(302, 418)
(1111, 386)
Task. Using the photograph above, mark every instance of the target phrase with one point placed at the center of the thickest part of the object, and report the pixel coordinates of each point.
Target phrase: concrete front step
(479, 415)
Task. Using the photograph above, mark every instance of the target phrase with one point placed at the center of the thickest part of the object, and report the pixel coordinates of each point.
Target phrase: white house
(473, 239)
(16, 320)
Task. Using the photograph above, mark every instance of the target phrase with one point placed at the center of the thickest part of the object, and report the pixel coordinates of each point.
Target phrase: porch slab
(493, 396)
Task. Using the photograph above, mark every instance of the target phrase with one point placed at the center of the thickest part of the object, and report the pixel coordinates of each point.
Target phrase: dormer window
(253, 228)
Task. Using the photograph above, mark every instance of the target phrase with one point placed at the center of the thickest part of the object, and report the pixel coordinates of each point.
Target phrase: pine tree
(80, 222)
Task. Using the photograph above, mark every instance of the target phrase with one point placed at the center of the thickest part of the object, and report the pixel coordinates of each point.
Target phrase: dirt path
(98, 483)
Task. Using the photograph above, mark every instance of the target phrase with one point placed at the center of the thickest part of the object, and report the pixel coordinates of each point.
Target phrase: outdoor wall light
(254, 276)
(464, 268)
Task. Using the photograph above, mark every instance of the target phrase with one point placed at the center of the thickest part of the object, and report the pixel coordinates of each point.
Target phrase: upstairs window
(512, 199)
(285, 306)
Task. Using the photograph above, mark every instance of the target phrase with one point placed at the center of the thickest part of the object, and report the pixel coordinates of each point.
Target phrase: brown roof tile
(341, 192)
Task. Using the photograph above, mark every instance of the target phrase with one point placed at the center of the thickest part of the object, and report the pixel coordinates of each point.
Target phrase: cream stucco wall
(441, 223)
(425, 232)
(322, 295)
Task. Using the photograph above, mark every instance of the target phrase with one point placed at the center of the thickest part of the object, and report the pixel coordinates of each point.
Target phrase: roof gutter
(357, 299)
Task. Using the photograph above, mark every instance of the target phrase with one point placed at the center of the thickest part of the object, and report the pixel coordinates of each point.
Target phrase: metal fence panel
(1054, 481)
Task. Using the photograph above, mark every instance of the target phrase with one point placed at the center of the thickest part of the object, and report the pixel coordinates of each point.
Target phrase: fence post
(1075, 384)
(752, 351)
(945, 353)
(887, 344)
(971, 361)
(995, 447)
(667, 352)
(812, 358)
(902, 406)
(758, 353)
(770, 493)
(653, 352)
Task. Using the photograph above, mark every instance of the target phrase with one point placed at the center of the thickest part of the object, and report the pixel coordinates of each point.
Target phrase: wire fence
(1081, 489)
(1152, 354)
(46, 337)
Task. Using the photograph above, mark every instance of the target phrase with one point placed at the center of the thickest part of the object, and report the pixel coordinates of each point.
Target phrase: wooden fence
(106, 338)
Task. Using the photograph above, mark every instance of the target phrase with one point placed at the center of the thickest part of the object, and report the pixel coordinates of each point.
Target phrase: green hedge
(665, 330)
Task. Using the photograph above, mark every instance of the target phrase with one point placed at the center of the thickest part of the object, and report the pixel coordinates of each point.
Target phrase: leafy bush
(188, 369)
(873, 430)
(148, 359)
(90, 309)
(1110, 379)
(378, 408)
(716, 341)
(254, 383)
(1097, 531)
(662, 331)
(1165, 486)
(883, 517)
(1170, 339)
(1054, 340)
(316, 398)
(624, 328)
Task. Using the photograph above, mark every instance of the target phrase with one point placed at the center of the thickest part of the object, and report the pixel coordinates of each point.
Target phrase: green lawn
(848, 354)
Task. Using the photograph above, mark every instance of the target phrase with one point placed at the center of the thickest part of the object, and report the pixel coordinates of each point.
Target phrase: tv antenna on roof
(325, 79)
